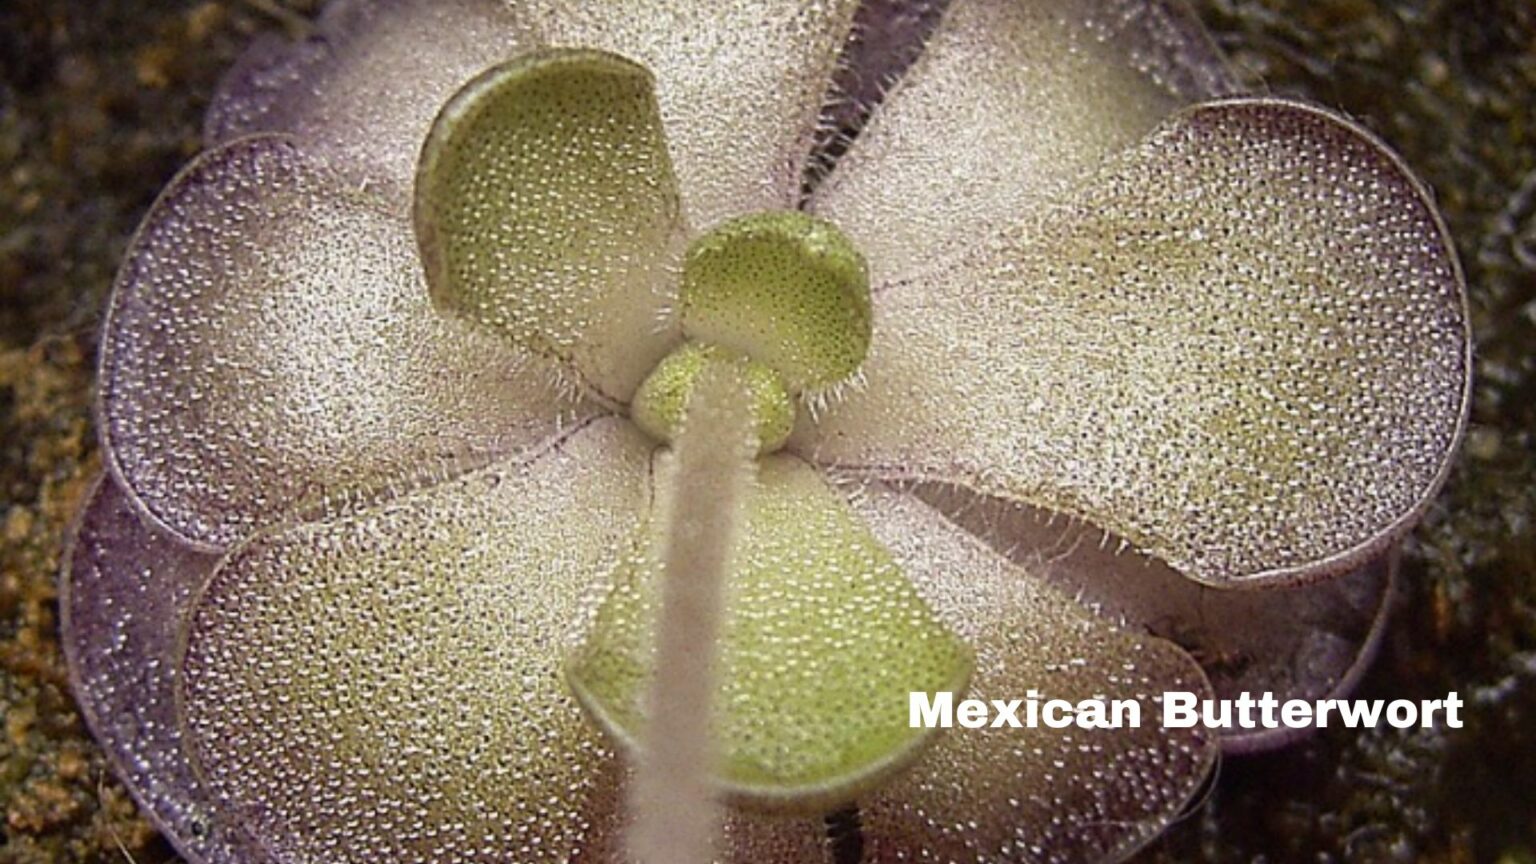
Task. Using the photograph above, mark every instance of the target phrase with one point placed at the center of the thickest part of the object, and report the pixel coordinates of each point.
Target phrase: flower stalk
(673, 798)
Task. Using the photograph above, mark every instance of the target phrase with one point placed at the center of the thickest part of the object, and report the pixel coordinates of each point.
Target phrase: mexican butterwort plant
(507, 384)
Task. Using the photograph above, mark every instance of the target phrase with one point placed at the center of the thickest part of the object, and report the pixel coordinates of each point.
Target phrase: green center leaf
(824, 641)
(547, 209)
(659, 403)
(784, 288)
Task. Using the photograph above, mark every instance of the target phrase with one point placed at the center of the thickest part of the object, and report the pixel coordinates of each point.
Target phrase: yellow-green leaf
(824, 640)
(547, 209)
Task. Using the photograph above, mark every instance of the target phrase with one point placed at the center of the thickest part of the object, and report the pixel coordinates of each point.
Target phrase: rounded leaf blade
(547, 211)
(1243, 347)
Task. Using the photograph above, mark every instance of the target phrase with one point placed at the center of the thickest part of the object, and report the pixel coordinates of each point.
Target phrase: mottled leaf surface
(547, 212)
(363, 90)
(386, 685)
(1022, 794)
(740, 83)
(1011, 104)
(1243, 347)
(824, 640)
(1299, 642)
(785, 289)
(125, 591)
(270, 344)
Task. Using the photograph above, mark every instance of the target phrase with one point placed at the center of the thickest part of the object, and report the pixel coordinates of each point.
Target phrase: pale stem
(673, 797)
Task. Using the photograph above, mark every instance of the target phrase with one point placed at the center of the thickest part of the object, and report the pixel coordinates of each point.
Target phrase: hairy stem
(676, 814)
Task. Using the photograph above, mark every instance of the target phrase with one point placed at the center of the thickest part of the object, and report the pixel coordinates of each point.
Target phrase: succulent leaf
(1243, 347)
(1305, 642)
(1011, 104)
(547, 211)
(823, 642)
(785, 289)
(659, 404)
(384, 684)
(740, 83)
(270, 345)
(125, 587)
(362, 92)
(1005, 794)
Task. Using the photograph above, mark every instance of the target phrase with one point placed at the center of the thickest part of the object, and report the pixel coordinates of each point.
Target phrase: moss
(100, 102)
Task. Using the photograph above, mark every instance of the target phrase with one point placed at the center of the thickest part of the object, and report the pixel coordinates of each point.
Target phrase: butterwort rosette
(1074, 371)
